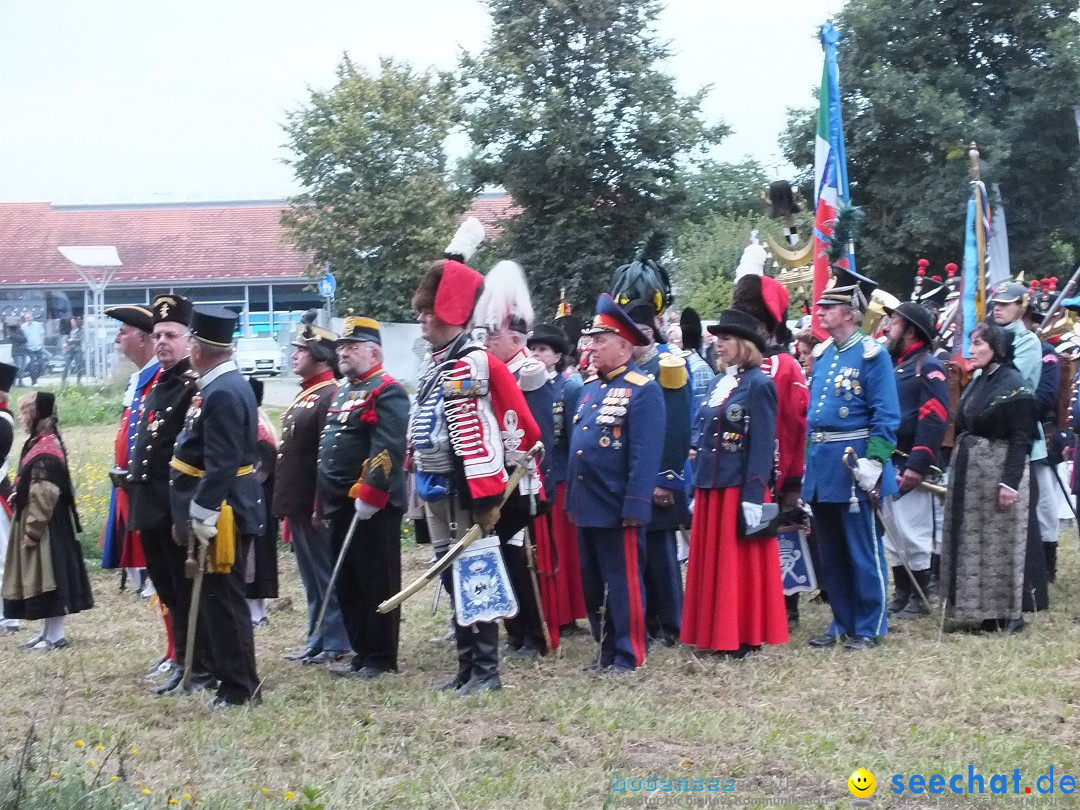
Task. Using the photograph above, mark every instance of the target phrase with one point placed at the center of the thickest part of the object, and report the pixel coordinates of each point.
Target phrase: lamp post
(97, 265)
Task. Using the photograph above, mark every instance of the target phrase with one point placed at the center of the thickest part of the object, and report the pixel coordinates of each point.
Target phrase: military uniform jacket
(540, 397)
(362, 447)
(853, 388)
(736, 434)
(162, 419)
(298, 450)
(676, 438)
(615, 449)
(923, 391)
(565, 392)
(7, 436)
(219, 438)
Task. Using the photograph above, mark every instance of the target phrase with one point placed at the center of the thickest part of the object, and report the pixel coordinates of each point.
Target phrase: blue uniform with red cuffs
(614, 459)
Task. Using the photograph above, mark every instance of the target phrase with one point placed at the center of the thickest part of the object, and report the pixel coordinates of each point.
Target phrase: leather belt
(195, 472)
(818, 436)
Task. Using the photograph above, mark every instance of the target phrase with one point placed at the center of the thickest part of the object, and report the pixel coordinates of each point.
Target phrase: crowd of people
(553, 468)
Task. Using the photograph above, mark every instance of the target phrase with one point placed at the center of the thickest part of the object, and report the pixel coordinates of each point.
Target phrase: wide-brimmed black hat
(546, 334)
(213, 326)
(7, 376)
(741, 324)
(137, 315)
(172, 307)
(918, 316)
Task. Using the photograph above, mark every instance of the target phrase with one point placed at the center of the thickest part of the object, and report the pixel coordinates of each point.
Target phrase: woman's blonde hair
(749, 355)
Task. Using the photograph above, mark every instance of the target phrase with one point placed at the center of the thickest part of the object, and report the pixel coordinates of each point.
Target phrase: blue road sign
(327, 285)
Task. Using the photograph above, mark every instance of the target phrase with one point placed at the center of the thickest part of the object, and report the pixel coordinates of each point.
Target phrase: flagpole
(980, 233)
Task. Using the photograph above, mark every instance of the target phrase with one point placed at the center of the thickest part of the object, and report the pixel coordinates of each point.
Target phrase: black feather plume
(847, 227)
(645, 277)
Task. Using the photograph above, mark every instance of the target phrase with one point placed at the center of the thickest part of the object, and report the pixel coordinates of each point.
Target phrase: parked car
(258, 355)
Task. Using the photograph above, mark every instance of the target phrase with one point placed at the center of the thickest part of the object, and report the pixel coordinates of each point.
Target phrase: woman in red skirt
(734, 592)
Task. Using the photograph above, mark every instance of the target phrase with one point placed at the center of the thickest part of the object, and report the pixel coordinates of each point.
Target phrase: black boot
(791, 602)
(916, 608)
(1050, 553)
(463, 640)
(485, 660)
(935, 575)
(902, 594)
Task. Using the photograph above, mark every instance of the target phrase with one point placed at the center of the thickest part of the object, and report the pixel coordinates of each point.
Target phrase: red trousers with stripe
(611, 565)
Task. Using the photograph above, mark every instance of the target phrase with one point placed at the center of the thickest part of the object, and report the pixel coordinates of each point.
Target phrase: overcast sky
(118, 100)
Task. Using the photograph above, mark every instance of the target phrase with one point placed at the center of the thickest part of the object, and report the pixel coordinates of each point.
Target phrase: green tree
(725, 188)
(378, 205)
(569, 111)
(922, 78)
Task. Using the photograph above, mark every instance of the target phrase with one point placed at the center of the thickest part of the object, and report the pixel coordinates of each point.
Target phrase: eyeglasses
(168, 336)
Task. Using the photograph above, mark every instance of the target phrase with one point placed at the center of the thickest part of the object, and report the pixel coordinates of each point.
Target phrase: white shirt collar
(215, 372)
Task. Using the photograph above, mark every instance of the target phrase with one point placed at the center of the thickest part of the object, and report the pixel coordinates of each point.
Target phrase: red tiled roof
(174, 242)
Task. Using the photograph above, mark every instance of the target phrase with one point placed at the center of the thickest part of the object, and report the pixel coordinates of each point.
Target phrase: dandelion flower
(91, 764)
(116, 778)
(133, 751)
(99, 747)
(265, 791)
(79, 744)
(187, 796)
(146, 791)
(54, 775)
(173, 801)
(289, 795)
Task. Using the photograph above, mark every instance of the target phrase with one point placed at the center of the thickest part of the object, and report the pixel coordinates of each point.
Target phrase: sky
(124, 101)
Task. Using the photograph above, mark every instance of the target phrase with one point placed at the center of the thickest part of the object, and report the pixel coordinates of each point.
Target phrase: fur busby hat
(645, 278)
(763, 297)
(451, 288)
(505, 303)
(690, 324)
(781, 199)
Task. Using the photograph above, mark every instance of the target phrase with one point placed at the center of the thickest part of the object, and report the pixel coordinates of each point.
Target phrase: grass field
(789, 722)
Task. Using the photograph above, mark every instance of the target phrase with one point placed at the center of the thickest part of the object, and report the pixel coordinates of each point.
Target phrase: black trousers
(165, 565)
(370, 574)
(224, 630)
(526, 628)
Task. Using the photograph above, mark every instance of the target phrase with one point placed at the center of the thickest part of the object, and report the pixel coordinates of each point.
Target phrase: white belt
(818, 436)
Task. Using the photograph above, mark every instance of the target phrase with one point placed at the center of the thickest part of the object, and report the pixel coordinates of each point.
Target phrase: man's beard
(895, 346)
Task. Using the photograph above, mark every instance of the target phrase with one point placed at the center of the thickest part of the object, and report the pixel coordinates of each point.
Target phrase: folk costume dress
(569, 597)
(49, 578)
(734, 590)
(983, 550)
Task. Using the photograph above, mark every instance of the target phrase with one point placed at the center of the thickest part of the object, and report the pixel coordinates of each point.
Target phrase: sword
(194, 570)
(532, 564)
(334, 575)
(471, 536)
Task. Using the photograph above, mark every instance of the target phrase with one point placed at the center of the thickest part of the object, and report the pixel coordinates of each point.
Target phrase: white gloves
(205, 532)
(364, 509)
(867, 473)
(751, 513)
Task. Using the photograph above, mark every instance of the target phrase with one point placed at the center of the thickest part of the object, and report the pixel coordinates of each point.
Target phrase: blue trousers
(663, 584)
(612, 559)
(853, 568)
(314, 559)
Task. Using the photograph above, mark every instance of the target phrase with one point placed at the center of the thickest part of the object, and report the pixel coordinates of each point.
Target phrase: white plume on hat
(506, 296)
(467, 239)
(752, 261)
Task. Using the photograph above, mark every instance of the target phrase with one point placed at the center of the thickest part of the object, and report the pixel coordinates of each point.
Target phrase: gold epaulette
(673, 373)
(636, 378)
(590, 378)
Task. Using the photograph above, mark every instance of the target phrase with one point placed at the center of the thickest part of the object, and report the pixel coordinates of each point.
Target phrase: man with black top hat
(909, 515)
(853, 404)
(361, 474)
(294, 490)
(7, 437)
(217, 501)
(615, 454)
(148, 477)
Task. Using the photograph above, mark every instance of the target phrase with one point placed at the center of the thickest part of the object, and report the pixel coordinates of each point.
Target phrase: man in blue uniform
(853, 403)
(909, 516)
(212, 465)
(614, 460)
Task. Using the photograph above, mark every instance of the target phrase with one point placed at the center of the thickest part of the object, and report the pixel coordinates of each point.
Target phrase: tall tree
(922, 78)
(569, 110)
(378, 205)
(726, 188)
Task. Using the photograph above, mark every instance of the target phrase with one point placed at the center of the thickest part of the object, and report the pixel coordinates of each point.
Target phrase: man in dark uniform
(909, 516)
(148, 477)
(362, 466)
(614, 460)
(212, 467)
(663, 578)
(7, 437)
(294, 491)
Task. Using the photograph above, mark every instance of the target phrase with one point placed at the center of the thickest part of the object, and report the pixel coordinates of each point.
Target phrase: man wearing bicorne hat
(615, 452)
(361, 476)
(302, 423)
(217, 501)
(853, 403)
(8, 373)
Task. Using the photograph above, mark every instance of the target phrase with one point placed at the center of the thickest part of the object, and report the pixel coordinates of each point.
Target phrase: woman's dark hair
(999, 339)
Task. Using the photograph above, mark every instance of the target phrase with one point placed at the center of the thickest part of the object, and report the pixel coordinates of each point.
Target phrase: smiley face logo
(862, 783)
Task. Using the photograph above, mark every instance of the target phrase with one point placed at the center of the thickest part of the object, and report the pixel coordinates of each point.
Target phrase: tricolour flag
(975, 262)
(830, 170)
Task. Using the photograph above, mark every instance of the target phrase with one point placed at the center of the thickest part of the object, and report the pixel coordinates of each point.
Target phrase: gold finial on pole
(973, 155)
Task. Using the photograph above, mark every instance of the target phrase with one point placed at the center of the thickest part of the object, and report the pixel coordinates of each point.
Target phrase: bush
(84, 404)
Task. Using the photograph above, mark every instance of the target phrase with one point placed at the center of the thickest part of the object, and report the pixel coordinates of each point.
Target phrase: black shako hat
(137, 315)
(173, 308)
(213, 325)
(545, 334)
(741, 324)
(7, 376)
(918, 316)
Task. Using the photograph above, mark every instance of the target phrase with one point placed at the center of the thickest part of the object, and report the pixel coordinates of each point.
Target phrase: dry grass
(788, 721)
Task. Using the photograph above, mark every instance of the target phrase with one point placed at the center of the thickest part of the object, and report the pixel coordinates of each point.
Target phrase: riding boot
(902, 594)
(485, 660)
(916, 608)
(791, 602)
(1050, 553)
(463, 638)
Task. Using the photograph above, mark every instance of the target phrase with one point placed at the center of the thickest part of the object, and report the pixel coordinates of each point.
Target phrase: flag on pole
(975, 261)
(830, 170)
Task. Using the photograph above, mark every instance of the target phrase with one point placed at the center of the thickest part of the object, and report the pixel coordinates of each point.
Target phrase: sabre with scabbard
(850, 460)
(194, 569)
(471, 536)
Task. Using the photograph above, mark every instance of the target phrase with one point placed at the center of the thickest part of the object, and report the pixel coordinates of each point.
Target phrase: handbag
(769, 526)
